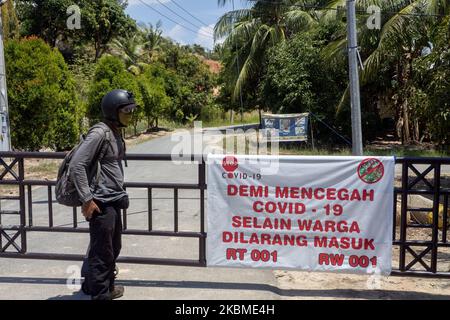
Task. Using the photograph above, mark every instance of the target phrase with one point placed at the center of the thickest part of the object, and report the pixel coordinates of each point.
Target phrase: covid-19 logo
(230, 165)
(371, 170)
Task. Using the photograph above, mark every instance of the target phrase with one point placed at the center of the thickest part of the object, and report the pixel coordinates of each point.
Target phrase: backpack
(65, 190)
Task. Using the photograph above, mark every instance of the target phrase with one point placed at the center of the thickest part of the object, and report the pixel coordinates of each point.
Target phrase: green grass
(306, 150)
(46, 167)
(248, 118)
(142, 127)
(405, 152)
(299, 151)
(171, 125)
(398, 152)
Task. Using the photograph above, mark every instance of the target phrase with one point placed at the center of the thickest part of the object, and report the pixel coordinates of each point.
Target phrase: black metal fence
(426, 255)
(429, 250)
(25, 212)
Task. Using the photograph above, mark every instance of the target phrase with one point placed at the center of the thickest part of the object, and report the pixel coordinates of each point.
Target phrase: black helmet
(115, 100)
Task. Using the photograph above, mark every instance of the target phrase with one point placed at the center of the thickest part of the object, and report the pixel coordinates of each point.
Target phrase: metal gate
(426, 255)
(13, 238)
(429, 251)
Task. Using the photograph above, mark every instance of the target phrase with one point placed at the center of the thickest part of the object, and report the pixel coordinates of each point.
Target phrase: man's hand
(89, 208)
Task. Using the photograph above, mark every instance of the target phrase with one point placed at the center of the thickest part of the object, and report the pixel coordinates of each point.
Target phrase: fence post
(202, 186)
(435, 233)
(404, 212)
(23, 236)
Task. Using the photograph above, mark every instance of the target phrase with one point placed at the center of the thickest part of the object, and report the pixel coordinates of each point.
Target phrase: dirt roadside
(331, 286)
(308, 285)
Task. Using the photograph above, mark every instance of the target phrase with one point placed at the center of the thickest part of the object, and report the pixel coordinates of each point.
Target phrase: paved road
(34, 279)
(38, 279)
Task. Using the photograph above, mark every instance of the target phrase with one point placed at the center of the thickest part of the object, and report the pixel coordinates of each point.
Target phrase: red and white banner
(311, 213)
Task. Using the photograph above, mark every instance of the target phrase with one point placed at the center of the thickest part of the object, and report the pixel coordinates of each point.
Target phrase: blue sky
(206, 11)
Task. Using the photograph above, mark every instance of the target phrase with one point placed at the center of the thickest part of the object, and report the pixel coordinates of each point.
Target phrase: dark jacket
(84, 164)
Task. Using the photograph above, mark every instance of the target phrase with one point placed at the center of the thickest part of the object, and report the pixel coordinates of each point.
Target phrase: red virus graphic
(230, 164)
(371, 170)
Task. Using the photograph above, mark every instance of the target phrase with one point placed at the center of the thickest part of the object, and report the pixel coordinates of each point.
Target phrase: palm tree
(249, 33)
(152, 36)
(131, 49)
(405, 32)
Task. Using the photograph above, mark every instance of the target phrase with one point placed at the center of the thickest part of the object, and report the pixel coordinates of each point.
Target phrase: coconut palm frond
(257, 45)
(437, 7)
(335, 49)
(243, 32)
(298, 20)
(226, 22)
(249, 33)
(334, 8)
(344, 100)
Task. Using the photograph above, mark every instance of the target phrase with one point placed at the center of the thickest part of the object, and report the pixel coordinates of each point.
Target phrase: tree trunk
(97, 53)
(231, 116)
(416, 130)
(97, 46)
(406, 131)
(398, 106)
(399, 128)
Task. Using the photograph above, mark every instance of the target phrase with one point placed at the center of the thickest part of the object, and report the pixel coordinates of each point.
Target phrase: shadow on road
(330, 293)
(74, 296)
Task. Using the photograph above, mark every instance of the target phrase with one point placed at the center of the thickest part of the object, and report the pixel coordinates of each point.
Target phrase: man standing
(97, 172)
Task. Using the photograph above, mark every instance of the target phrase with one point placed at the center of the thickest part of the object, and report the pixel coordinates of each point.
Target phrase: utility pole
(5, 137)
(354, 78)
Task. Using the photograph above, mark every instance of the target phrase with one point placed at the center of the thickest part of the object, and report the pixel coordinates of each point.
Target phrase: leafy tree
(83, 68)
(105, 20)
(298, 80)
(251, 32)
(130, 49)
(46, 19)
(42, 97)
(101, 21)
(10, 21)
(433, 82)
(152, 39)
(172, 84)
(246, 99)
(198, 49)
(404, 34)
(188, 81)
(110, 74)
(154, 98)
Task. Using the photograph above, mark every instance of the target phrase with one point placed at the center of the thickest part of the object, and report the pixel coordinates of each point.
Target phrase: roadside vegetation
(277, 56)
(288, 56)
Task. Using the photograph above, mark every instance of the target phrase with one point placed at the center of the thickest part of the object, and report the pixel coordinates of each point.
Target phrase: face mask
(125, 118)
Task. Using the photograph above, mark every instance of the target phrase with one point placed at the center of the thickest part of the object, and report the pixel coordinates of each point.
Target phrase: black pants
(106, 242)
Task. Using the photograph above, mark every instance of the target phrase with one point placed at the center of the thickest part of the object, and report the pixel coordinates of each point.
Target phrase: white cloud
(178, 34)
(204, 36)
